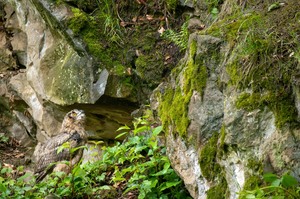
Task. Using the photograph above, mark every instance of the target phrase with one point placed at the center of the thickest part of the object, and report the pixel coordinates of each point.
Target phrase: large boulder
(228, 140)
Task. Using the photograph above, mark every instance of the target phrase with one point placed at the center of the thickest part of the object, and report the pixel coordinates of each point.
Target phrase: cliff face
(230, 107)
(59, 55)
(229, 103)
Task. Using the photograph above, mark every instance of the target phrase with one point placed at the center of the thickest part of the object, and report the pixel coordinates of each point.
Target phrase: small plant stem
(279, 187)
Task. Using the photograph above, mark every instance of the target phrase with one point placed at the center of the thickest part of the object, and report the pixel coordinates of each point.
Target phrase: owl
(72, 131)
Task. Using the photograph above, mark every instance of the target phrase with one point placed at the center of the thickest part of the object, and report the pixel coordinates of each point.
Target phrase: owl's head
(75, 117)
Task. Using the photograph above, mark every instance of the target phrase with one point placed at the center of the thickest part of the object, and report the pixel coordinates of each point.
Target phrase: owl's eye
(72, 114)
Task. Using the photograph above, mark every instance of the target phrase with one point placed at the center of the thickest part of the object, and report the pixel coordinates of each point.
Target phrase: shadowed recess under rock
(106, 116)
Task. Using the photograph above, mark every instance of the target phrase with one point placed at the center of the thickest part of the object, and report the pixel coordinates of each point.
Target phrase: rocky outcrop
(52, 64)
(225, 121)
(51, 70)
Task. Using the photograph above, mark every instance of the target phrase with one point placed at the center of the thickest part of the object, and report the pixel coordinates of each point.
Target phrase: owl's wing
(48, 153)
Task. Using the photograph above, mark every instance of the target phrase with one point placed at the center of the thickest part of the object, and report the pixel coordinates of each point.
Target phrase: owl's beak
(81, 115)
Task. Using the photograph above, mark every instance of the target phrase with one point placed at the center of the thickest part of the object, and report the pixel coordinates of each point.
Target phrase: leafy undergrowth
(136, 168)
(284, 187)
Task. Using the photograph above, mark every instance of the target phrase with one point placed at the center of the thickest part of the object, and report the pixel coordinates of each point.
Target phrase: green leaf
(167, 185)
(278, 197)
(78, 171)
(154, 182)
(27, 188)
(123, 128)
(214, 12)
(65, 145)
(120, 135)
(140, 148)
(24, 176)
(140, 129)
(164, 171)
(105, 187)
(288, 181)
(250, 196)
(270, 177)
(132, 187)
(273, 6)
(157, 130)
(77, 148)
(276, 183)
(64, 191)
(2, 188)
(101, 177)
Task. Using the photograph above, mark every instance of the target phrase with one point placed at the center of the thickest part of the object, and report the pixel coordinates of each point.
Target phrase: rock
(44, 120)
(184, 159)
(52, 63)
(248, 142)
(23, 130)
(19, 133)
(58, 71)
(195, 24)
(205, 113)
(92, 153)
(246, 129)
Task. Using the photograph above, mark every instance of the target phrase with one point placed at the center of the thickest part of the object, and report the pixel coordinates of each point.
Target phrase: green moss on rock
(260, 62)
(282, 106)
(207, 159)
(210, 168)
(219, 191)
(78, 21)
(173, 109)
(252, 182)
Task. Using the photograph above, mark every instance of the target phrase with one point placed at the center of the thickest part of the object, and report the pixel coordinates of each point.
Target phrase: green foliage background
(138, 166)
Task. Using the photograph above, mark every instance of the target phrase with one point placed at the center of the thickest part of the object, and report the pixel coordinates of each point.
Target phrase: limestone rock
(249, 142)
(52, 63)
(184, 159)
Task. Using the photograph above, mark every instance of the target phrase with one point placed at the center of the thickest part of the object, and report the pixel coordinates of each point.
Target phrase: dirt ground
(14, 155)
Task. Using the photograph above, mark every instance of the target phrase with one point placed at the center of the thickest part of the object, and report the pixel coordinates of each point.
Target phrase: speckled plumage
(72, 131)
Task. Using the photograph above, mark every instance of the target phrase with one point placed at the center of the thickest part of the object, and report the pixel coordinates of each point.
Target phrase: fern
(179, 38)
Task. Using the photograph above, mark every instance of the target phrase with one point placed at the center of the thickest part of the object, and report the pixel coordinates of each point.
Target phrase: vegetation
(181, 38)
(137, 167)
(210, 169)
(274, 187)
(174, 104)
(263, 57)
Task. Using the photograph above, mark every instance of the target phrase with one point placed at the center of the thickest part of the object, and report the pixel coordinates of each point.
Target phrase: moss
(173, 108)
(255, 165)
(210, 169)
(219, 191)
(260, 62)
(253, 177)
(233, 26)
(211, 4)
(233, 72)
(171, 4)
(141, 64)
(78, 21)
(249, 101)
(252, 182)
(221, 145)
(119, 70)
(207, 158)
(282, 106)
